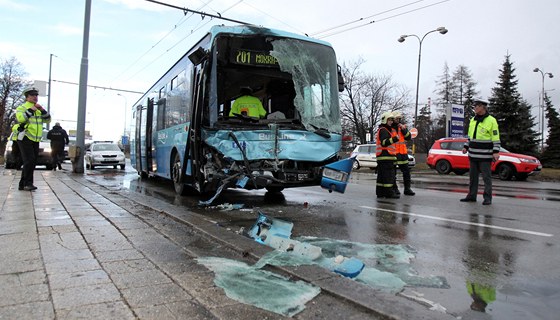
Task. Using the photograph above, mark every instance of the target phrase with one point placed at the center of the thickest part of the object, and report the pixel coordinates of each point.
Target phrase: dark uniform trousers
(29, 151)
(477, 167)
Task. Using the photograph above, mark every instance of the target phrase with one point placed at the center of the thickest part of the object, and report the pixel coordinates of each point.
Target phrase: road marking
(463, 222)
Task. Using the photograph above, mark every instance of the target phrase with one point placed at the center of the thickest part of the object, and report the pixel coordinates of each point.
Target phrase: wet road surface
(499, 261)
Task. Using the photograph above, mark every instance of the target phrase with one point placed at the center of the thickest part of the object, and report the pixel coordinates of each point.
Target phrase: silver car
(104, 153)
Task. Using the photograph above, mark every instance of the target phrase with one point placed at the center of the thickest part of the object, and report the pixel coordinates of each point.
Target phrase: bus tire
(274, 189)
(176, 172)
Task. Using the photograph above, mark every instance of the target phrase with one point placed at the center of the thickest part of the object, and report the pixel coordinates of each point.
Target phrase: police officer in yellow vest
(15, 147)
(386, 156)
(483, 147)
(31, 116)
(247, 105)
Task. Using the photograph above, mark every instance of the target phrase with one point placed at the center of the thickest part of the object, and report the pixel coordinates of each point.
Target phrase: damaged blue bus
(182, 131)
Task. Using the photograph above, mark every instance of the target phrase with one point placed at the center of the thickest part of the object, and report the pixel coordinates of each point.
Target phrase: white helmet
(386, 116)
(29, 90)
(397, 114)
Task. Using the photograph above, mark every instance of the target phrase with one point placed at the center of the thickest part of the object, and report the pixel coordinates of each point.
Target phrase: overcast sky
(133, 42)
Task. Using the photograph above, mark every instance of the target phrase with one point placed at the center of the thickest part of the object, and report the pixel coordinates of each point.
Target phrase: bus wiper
(244, 117)
(321, 131)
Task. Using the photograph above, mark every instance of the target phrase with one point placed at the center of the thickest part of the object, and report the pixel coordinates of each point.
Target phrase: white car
(366, 157)
(104, 153)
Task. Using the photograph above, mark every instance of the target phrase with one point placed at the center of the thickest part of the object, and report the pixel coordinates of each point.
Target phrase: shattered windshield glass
(313, 70)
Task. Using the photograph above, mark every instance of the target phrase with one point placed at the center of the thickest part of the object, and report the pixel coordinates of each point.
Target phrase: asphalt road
(501, 259)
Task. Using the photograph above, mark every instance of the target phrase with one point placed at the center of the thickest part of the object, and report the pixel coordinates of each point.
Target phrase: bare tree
(366, 97)
(12, 83)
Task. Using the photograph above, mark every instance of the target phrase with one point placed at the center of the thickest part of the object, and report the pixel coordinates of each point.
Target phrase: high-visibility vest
(385, 148)
(484, 138)
(32, 121)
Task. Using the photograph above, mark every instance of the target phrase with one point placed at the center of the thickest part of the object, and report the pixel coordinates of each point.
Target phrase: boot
(396, 189)
(59, 166)
(407, 190)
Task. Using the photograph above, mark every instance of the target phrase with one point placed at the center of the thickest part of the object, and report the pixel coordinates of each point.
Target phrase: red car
(446, 155)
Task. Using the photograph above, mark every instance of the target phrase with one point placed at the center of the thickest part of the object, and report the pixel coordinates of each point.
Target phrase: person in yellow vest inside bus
(386, 156)
(401, 131)
(247, 105)
(30, 116)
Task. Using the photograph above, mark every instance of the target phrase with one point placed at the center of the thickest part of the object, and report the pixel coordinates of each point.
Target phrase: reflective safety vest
(32, 121)
(484, 138)
(385, 148)
(402, 151)
(248, 106)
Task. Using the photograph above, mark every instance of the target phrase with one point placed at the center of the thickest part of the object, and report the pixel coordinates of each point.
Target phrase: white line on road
(462, 222)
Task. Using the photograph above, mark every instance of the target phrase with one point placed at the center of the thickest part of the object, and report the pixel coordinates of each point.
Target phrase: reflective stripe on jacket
(385, 144)
(32, 121)
(484, 138)
(15, 131)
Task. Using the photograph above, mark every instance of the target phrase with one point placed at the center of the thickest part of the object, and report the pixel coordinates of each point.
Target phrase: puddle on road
(260, 288)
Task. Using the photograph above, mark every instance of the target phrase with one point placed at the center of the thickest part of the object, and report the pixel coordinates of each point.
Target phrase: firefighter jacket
(32, 121)
(385, 144)
(403, 135)
(484, 138)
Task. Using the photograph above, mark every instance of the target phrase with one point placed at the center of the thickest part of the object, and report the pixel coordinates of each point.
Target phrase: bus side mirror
(340, 79)
(197, 56)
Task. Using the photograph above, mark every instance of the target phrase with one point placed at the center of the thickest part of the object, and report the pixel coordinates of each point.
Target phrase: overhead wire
(178, 42)
(314, 34)
(387, 18)
(182, 20)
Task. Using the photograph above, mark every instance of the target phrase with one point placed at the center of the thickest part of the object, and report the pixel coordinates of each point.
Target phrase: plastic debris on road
(276, 233)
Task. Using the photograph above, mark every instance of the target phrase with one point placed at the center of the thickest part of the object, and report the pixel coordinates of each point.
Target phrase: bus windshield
(295, 79)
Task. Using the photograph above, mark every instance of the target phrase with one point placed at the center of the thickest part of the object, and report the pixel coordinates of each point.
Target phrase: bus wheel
(176, 175)
(274, 189)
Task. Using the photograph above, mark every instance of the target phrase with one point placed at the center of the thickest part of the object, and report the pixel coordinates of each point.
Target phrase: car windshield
(504, 150)
(105, 147)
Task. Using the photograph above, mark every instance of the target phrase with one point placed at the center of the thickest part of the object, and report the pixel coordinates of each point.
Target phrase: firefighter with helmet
(31, 116)
(401, 131)
(386, 156)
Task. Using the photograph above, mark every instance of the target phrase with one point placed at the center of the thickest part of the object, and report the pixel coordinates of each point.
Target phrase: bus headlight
(335, 174)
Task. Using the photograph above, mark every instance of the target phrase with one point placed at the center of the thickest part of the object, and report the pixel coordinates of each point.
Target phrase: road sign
(413, 132)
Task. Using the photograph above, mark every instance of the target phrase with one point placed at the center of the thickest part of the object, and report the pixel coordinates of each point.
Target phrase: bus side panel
(165, 142)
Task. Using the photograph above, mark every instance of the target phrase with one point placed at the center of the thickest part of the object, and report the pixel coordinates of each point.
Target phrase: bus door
(193, 149)
(144, 137)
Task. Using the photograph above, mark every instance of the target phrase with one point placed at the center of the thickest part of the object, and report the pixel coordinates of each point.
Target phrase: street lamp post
(125, 106)
(441, 30)
(49, 91)
(541, 100)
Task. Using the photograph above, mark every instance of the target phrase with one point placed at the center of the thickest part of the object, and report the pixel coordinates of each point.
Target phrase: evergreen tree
(513, 113)
(551, 155)
(425, 138)
(464, 90)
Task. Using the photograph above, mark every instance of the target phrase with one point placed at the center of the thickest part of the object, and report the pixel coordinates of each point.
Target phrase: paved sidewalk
(63, 256)
(75, 250)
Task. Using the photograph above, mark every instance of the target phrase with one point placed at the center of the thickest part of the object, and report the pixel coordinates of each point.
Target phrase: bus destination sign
(254, 58)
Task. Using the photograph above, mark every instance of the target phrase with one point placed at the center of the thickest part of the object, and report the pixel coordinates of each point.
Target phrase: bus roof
(252, 29)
